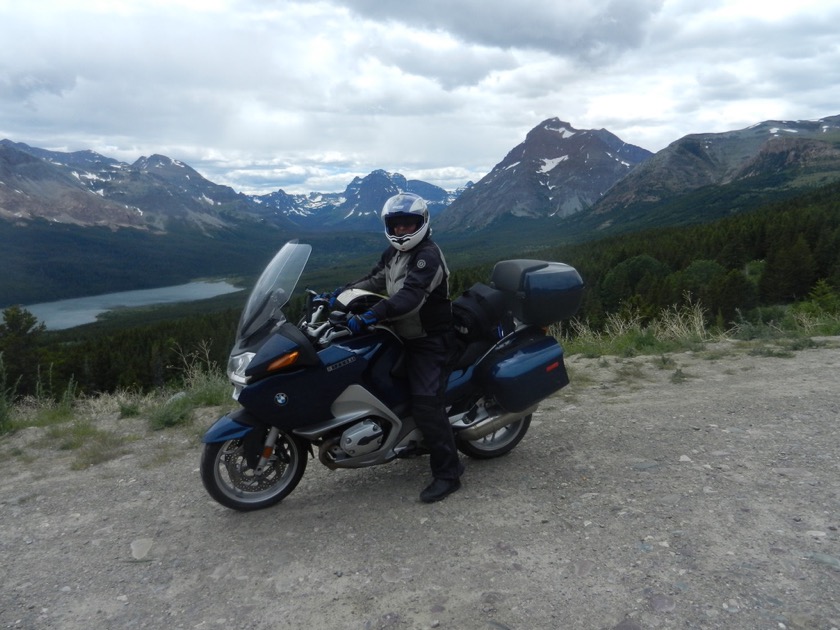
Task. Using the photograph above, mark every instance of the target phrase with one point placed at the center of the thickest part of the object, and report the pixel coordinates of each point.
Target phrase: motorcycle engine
(362, 438)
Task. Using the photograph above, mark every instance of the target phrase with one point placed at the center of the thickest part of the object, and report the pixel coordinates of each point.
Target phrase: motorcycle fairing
(231, 426)
(295, 397)
(288, 338)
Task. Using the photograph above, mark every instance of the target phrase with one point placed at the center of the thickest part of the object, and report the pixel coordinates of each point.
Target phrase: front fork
(267, 451)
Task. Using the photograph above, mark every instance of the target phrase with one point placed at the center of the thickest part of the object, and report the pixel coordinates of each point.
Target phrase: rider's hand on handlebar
(331, 296)
(359, 323)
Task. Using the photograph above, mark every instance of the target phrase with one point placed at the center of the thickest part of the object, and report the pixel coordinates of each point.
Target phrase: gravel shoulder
(696, 490)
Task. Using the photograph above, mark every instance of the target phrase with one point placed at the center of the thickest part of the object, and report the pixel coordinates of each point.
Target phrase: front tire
(501, 442)
(230, 481)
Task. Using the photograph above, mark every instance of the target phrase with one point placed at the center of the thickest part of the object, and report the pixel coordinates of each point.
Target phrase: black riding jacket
(417, 285)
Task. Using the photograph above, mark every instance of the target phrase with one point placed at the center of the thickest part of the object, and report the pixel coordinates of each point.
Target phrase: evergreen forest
(744, 267)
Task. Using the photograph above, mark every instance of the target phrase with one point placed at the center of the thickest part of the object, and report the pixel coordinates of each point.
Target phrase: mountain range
(64, 215)
(156, 193)
(770, 154)
(556, 172)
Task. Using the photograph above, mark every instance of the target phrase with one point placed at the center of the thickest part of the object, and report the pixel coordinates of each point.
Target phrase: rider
(414, 275)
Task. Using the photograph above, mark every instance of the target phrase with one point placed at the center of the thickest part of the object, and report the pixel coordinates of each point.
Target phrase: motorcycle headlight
(236, 368)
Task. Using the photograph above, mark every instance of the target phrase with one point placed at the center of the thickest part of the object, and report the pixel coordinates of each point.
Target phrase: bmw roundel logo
(281, 399)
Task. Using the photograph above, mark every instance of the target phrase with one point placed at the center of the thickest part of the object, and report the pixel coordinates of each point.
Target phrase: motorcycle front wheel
(230, 481)
(501, 442)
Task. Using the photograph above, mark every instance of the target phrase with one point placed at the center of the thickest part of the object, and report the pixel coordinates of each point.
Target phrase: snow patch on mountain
(549, 164)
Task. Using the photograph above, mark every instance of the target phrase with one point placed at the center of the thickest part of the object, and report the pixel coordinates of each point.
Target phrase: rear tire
(501, 442)
(229, 480)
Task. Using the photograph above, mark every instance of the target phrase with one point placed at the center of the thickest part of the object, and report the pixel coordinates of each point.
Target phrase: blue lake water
(77, 311)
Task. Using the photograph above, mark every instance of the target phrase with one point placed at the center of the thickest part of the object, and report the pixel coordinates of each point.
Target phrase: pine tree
(20, 334)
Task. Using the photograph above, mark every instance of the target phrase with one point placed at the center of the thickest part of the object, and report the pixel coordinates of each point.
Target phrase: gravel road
(696, 490)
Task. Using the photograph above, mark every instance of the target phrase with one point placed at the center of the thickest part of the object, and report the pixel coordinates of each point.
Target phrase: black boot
(439, 489)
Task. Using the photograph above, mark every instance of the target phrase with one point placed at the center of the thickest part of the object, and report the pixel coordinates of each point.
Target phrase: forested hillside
(774, 255)
(777, 255)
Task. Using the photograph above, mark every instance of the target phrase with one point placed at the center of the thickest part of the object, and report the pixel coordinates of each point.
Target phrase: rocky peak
(557, 171)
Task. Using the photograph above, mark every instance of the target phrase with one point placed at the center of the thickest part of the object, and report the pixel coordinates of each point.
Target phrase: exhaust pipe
(477, 429)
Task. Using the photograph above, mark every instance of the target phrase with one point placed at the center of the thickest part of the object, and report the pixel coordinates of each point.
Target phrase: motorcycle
(315, 387)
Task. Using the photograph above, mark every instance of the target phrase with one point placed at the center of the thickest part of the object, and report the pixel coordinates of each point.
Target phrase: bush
(177, 411)
(7, 398)
(677, 328)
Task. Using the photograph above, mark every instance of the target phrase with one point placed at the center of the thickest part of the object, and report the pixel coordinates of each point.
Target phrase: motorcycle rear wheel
(501, 442)
(229, 480)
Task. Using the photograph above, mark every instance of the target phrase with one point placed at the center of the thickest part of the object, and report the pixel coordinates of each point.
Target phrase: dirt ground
(696, 490)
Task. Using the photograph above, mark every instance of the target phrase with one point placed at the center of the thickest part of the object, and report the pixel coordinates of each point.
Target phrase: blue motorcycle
(314, 387)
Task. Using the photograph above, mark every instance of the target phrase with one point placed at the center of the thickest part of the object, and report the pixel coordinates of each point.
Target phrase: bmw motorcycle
(315, 389)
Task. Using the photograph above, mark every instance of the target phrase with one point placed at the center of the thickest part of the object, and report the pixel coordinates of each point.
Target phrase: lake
(78, 311)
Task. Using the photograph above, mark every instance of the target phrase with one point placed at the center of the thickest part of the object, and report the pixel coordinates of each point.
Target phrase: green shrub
(129, 409)
(177, 411)
(675, 329)
(204, 382)
(7, 399)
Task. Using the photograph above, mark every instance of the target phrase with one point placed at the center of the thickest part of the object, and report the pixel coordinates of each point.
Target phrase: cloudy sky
(305, 95)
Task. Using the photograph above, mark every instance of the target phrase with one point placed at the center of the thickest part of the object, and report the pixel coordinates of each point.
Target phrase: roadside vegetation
(769, 331)
(93, 429)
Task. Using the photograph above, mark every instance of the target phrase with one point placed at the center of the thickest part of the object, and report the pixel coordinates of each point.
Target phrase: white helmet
(402, 209)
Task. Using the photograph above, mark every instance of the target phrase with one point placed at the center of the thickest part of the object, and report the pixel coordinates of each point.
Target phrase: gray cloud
(585, 29)
(304, 96)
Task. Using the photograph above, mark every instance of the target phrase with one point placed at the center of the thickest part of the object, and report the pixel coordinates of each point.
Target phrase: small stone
(731, 606)
(825, 559)
(661, 603)
(646, 466)
(140, 548)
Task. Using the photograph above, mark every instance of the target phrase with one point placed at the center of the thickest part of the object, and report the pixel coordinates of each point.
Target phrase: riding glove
(359, 323)
(330, 296)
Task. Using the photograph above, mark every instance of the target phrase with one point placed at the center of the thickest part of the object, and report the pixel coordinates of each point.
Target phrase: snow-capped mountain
(557, 171)
(357, 207)
(87, 189)
(772, 154)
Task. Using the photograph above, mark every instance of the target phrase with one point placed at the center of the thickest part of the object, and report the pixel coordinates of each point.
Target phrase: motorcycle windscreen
(526, 374)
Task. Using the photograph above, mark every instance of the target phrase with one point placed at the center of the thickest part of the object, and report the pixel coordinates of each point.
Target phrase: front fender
(231, 426)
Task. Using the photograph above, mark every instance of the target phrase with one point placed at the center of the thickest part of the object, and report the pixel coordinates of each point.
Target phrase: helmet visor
(403, 224)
